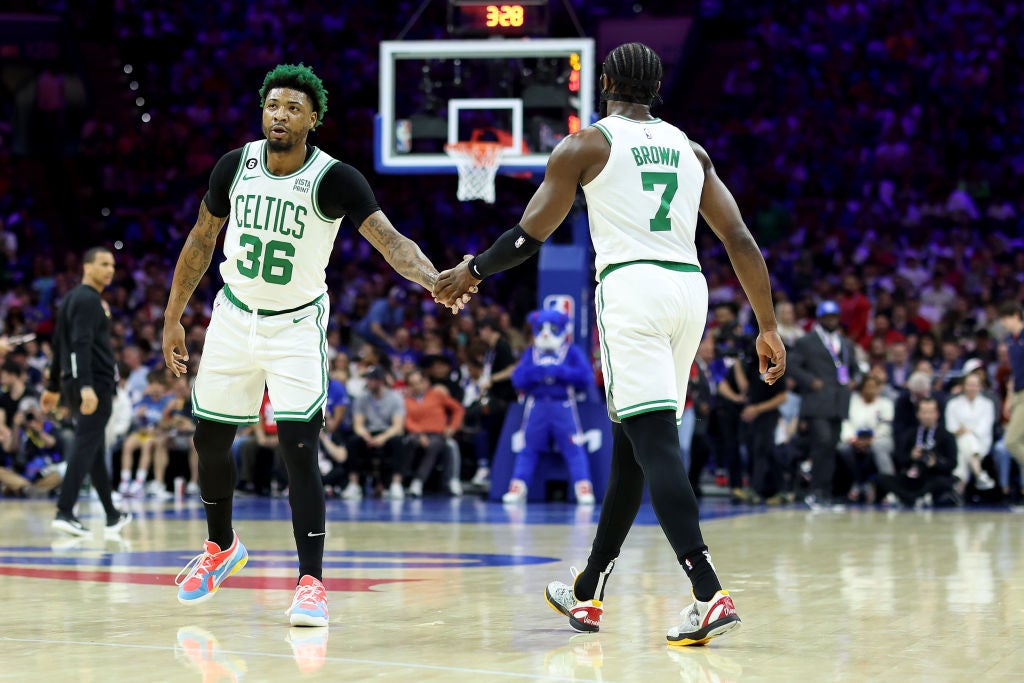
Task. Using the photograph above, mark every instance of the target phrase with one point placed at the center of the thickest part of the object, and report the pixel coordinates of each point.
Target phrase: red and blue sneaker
(309, 608)
(204, 574)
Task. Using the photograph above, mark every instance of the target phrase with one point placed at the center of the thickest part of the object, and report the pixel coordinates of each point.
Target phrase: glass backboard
(527, 94)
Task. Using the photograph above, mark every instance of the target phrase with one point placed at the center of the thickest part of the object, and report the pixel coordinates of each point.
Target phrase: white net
(477, 163)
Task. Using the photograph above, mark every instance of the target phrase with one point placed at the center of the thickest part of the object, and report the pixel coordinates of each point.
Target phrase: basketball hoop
(477, 163)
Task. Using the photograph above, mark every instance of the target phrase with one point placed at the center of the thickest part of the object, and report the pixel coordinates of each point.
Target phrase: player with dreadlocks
(286, 199)
(645, 183)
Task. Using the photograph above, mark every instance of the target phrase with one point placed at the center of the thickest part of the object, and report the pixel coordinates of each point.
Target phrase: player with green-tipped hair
(282, 200)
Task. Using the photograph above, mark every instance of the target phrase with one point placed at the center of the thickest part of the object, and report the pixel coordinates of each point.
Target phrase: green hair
(297, 77)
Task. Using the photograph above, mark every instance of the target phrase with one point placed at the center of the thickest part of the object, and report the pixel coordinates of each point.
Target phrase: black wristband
(509, 250)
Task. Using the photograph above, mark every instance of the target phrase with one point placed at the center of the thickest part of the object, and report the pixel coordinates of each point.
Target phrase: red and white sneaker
(703, 621)
(309, 608)
(584, 616)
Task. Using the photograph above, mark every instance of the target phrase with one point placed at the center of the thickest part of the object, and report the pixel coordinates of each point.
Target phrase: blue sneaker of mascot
(548, 376)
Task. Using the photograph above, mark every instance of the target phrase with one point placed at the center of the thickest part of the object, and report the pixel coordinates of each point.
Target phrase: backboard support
(526, 93)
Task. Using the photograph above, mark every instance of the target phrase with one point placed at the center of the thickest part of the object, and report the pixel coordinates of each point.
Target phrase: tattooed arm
(193, 262)
(399, 251)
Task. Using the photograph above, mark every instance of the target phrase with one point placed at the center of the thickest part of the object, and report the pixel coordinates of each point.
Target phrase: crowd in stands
(875, 147)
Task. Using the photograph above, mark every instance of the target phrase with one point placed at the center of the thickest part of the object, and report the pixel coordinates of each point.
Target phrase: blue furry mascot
(549, 374)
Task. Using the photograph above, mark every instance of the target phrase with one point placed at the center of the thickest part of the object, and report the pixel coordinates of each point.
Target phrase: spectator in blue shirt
(385, 316)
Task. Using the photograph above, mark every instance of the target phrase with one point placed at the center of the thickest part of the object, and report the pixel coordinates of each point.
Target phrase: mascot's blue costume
(549, 374)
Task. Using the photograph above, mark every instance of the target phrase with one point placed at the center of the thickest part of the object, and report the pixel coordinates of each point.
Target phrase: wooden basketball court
(452, 590)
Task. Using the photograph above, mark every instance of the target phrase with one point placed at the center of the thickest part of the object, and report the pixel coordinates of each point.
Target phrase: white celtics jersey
(277, 243)
(643, 205)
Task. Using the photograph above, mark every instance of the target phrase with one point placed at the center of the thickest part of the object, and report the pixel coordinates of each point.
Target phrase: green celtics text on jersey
(278, 242)
(643, 205)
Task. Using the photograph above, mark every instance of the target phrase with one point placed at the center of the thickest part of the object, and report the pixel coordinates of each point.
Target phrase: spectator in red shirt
(432, 416)
(854, 310)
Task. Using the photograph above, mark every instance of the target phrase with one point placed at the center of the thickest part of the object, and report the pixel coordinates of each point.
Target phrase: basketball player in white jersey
(283, 201)
(645, 183)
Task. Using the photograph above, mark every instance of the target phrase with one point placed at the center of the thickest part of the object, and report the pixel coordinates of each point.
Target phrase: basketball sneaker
(309, 607)
(117, 522)
(703, 621)
(516, 493)
(69, 524)
(204, 653)
(584, 615)
(204, 574)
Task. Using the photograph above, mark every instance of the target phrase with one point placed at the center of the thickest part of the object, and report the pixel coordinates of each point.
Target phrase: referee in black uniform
(83, 374)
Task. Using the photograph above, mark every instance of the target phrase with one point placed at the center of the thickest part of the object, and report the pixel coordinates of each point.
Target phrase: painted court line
(341, 660)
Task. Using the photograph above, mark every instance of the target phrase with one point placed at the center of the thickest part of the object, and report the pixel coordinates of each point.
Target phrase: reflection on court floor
(452, 590)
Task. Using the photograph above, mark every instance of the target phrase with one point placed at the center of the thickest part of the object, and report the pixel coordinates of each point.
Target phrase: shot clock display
(481, 18)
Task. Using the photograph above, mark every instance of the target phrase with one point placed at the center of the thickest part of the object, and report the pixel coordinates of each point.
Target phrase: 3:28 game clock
(481, 18)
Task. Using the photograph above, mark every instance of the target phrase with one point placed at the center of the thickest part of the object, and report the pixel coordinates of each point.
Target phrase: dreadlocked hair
(297, 77)
(635, 70)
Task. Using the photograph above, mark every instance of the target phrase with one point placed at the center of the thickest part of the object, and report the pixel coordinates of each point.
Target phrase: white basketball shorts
(650, 320)
(246, 351)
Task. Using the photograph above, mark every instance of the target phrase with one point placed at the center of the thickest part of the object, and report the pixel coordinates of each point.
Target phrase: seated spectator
(180, 427)
(149, 438)
(28, 455)
(474, 437)
(432, 417)
(15, 393)
(376, 448)
(385, 316)
(924, 459)
(898, 368)
(919, 386)
(18, 486)
(971, 418)
(866, 441)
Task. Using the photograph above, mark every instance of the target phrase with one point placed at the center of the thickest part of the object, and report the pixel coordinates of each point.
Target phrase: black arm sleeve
(344, 191)
(512, 248)
(217, 201)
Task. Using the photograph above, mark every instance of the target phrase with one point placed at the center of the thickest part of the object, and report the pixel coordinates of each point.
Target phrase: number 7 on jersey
(661, 221)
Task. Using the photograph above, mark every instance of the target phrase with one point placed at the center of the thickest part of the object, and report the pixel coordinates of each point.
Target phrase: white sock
(140, 475)
(126, 475)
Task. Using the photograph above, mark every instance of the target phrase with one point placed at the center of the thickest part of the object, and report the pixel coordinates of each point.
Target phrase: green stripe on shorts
(646, 407)
(318, 402)
(197, 411)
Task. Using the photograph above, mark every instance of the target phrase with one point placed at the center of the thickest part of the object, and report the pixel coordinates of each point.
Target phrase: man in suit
(924, 458)
(823, 364)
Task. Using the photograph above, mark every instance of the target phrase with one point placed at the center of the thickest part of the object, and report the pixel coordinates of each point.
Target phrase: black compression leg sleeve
(622, 500)
(217, 474)
(300, 445)
(655, 441)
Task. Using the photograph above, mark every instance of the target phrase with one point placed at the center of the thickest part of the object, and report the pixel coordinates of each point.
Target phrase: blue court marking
(267, 559)
(465, 510)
